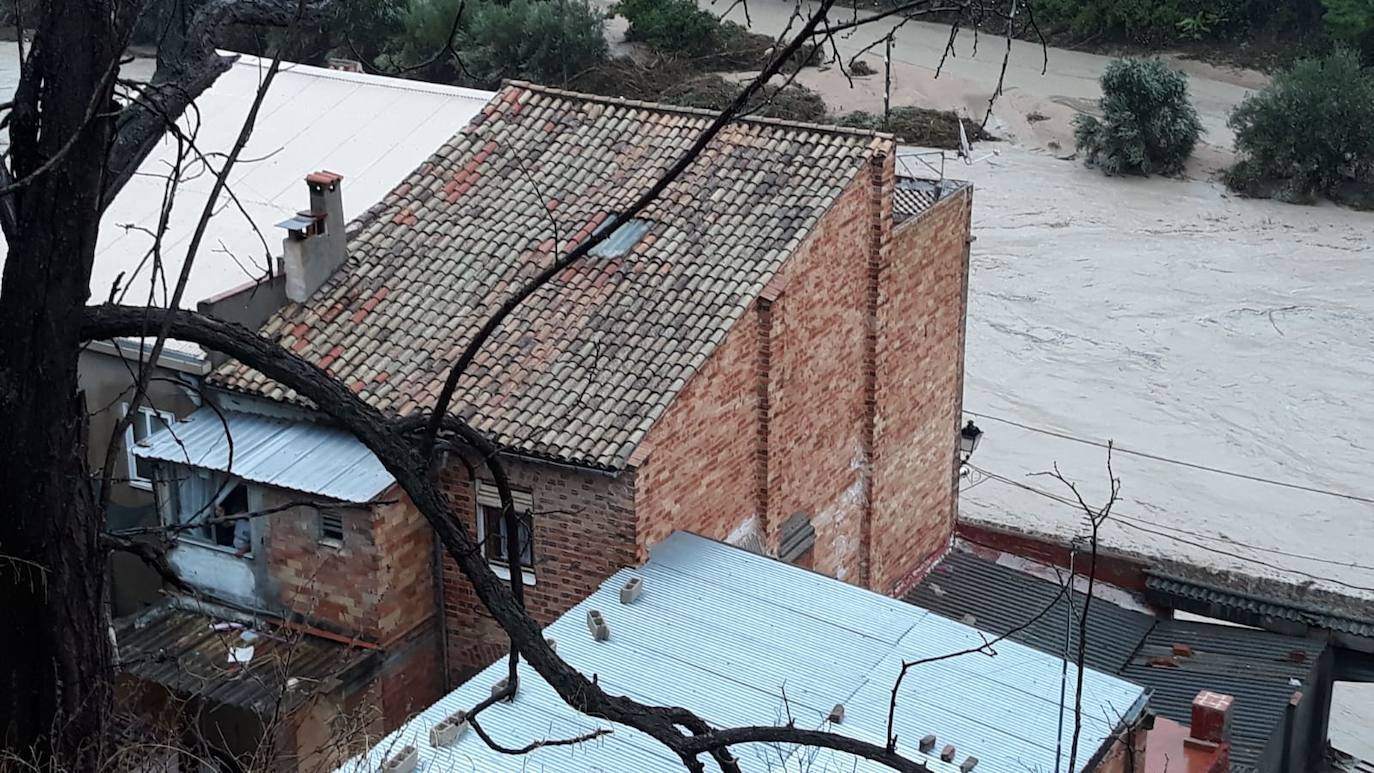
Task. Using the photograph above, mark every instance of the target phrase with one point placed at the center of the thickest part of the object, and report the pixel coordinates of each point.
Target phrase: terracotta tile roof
(585, 365)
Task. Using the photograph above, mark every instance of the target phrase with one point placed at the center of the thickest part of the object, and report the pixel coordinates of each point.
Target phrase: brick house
(771, 354)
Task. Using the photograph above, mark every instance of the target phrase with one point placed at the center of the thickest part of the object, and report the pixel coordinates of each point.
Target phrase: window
(491, 527)
(622, 240)
(331, 528)
(147, 422)
(205, 501)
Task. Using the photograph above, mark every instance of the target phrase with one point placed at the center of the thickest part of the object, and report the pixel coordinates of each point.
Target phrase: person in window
(237, 533)
(243, 537)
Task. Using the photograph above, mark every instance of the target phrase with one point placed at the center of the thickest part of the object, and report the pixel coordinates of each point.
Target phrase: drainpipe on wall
(443, 613)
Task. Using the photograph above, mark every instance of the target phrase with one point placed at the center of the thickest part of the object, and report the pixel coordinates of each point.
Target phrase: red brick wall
(773, 422)
(378, 585)
(583, 532)
(336, 587)
(699, 466)
(816, 433)
(410, 679)
(405, 573)
(920, 364)
(836, 395)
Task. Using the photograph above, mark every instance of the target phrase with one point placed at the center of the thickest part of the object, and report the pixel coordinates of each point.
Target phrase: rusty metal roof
(1204, 598)
(189, 652)
(1260, 668)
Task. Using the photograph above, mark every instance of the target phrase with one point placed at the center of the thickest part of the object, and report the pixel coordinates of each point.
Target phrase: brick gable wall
(817, 457)
(836, 394)
(773, 422)
(922, 305)
(698, 468)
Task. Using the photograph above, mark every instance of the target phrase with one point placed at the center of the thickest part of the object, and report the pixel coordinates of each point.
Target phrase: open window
(491, 530)
(146, 422)
(206, 502)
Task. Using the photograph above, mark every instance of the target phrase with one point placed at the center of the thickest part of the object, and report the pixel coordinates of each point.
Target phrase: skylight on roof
(623, 240)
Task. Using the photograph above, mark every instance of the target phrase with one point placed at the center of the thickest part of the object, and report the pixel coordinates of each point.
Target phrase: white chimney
(315, 244)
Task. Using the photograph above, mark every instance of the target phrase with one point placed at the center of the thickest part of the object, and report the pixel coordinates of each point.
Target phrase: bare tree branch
(1096, 516)
(148, 364)
(188, 64)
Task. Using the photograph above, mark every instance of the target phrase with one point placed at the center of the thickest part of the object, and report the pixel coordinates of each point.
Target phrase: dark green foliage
(1352, 21)
(351, 29)
(1148, 125)
(678, 26)
(1308, 132)
(546, 41)
(1157, 22)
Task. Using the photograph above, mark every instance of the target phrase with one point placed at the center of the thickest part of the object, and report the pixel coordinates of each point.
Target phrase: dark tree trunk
(57, 671)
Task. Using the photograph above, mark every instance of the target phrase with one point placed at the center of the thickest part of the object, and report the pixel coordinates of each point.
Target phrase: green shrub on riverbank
(1148, 125)
(1308, 132)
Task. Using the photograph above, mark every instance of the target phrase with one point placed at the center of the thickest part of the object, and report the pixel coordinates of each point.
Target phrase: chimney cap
(323, 177)
(301, 221)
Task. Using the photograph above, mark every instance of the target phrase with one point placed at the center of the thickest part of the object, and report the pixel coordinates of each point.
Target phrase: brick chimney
(1211, 718)
(315, 244)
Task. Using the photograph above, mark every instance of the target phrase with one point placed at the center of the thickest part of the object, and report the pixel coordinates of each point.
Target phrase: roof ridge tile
(684, 110)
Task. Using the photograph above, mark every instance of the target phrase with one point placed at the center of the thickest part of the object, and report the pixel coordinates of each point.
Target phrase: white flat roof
(373, 130)
(724, 632)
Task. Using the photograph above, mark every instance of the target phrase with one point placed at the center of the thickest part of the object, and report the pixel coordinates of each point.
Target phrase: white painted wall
(216, 570)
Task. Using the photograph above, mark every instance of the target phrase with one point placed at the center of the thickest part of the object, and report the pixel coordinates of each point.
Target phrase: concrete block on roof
(596, 624)
(403, 761)
(630, 591)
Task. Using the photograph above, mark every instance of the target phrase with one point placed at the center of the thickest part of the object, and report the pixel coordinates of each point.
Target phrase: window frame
(170, 510)
(130, 460)
(487, 496)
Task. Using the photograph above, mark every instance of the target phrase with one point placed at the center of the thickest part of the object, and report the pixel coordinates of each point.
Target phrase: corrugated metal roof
(723, 632)
(1000, 599)
(181, 650)
(295, 455)
(912, 195)
(1173, 589)
(1253, 666)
